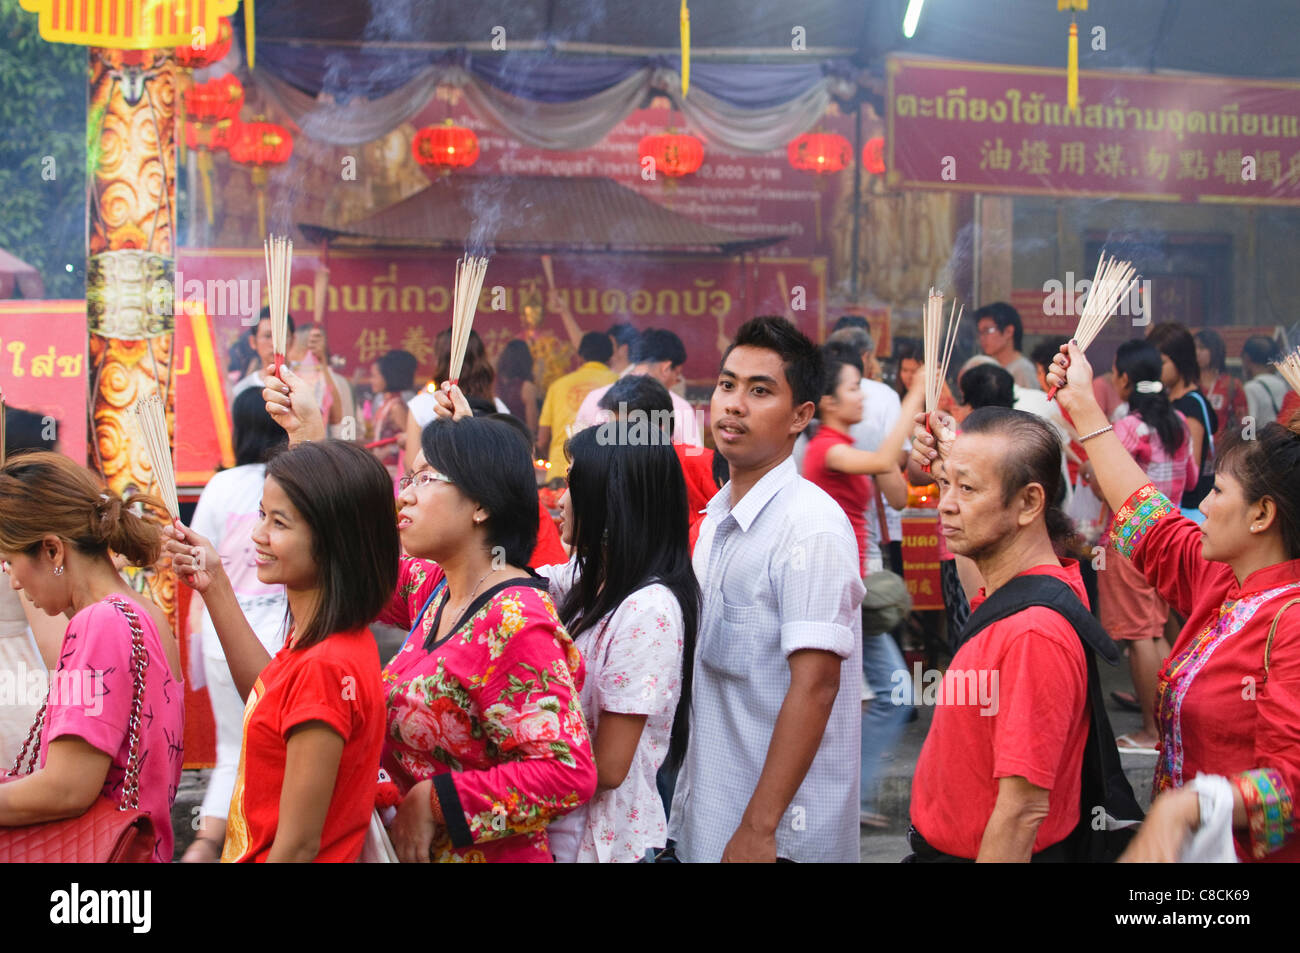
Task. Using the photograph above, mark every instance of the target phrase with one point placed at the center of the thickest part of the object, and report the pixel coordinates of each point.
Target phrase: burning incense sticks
(279, 266)
(1289, 368)
(469, 283)
(940, 336)
(152, 421)
(2, 428)
(1112, 283)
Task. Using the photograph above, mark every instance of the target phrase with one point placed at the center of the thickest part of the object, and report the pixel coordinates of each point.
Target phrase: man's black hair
(801, 358)
(639, 392)
(987, 385)
(595, 346)
(655, 345)
(851, 321)
(1004, 316)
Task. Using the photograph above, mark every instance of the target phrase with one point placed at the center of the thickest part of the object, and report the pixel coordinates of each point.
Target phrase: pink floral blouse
(491, 714)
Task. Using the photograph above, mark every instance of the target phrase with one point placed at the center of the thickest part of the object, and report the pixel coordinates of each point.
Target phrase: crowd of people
(700, 662)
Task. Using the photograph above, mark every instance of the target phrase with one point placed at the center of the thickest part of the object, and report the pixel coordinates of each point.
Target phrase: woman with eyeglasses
(485, 735)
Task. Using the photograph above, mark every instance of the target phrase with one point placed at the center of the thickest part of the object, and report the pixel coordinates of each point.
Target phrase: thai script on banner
(990, 128)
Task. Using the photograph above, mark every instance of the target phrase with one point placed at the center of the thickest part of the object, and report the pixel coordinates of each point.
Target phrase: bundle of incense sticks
(279, 266)
(2, 428)
(1289, 368)
(940, 336)
(152, 422)
(469, 283)
(1111, 285)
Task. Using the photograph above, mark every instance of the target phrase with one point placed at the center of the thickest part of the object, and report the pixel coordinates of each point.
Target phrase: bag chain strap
(139, 659)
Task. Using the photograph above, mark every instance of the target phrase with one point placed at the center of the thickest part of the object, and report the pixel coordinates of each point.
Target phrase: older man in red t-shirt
(1000, 772)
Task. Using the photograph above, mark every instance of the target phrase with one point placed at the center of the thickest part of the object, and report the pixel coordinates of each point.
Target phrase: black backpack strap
(1051, 593)
(1104, 785)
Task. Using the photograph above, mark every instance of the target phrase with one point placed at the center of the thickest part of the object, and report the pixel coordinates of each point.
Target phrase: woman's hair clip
(1149, 387)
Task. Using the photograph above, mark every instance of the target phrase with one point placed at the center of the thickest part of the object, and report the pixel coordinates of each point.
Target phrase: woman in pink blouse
(57, 525)
(485, 736)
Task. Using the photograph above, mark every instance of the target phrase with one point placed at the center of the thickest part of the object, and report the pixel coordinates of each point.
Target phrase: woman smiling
(313, 723)
(485, 736)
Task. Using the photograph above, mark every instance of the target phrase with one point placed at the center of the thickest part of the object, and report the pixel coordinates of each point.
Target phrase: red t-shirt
(335, 681)
(1029, 719)
(697, 469)
(852, 491)
(549, 548)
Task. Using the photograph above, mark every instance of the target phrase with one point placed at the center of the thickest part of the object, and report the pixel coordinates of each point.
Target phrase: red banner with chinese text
(43, 366)
(989, 128)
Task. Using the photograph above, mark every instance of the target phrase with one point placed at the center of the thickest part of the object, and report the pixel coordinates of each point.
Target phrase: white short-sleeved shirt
(780, 573)
(226, 514)
(633, 667)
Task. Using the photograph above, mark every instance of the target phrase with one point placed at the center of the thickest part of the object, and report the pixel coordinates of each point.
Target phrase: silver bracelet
(1097, 433)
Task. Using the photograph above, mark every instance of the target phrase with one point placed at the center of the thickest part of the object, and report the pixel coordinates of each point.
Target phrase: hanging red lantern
(820, 152)
(188, 59)
(675, 154)
(192, 57)
(873, 155)
(217, 99)
(208, 105)
(445, 147)
(261, 145)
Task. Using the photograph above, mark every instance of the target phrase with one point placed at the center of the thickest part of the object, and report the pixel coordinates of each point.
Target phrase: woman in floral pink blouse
(485, 734)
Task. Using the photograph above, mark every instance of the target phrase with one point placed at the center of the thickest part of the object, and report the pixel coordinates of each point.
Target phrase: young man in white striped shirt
(771, 770)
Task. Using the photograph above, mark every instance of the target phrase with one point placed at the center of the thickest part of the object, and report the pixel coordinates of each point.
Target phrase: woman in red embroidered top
(485, 734)
(314, 718)
(1228, 698)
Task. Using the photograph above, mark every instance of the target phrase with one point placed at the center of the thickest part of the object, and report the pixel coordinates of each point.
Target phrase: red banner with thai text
(990, 128)
(43, 367)
(921, 558)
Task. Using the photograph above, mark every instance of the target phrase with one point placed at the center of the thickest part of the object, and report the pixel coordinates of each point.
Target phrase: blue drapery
(348, 73)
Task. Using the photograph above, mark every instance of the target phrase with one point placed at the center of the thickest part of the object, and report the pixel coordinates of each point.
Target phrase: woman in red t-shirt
(314, 720)
(833, 463)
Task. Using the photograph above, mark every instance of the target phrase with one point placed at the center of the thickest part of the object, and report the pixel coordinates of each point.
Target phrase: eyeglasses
(991, 329)
(422, 479)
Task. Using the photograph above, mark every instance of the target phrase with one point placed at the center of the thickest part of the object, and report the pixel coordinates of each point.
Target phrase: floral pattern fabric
(633, 660)
(492, 715)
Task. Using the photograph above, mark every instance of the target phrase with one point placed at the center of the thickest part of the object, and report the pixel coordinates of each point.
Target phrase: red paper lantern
(675, 154)
(873, 155)
(190, 58)
(261, 144)
(445, 147)
(217, 99)
(820, 152)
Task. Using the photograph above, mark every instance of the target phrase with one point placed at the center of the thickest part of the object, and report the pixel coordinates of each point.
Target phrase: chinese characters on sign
(1007, 129)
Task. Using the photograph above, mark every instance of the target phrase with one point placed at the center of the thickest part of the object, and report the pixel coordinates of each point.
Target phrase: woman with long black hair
(1157, 437)
(631, 602)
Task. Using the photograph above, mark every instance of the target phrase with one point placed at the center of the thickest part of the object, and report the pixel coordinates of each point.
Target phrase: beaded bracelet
(1097, 433)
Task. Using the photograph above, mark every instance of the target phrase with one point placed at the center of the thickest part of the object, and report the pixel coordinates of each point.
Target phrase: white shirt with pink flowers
(633, 663)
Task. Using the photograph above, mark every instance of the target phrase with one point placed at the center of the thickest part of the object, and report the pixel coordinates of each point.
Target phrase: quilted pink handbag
(109, 832)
